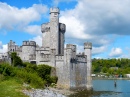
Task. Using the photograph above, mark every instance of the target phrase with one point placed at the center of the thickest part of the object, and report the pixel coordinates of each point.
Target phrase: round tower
(88, 52)
(54, 29)
(28, 49)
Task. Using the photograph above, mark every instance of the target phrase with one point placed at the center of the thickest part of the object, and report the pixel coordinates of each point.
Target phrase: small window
(55, 13)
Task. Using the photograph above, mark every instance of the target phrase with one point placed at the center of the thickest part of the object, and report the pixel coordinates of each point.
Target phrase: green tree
(104, 70)
(16, 60)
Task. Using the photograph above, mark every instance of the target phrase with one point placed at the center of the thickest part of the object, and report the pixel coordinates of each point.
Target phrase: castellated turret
(11, 46)
(28, 50)
(87, 45)
(88, 52)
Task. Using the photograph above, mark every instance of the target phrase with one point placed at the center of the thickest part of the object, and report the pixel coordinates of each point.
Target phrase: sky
(105, 23)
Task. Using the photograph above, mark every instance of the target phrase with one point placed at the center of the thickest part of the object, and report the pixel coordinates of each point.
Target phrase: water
(122, 88)
(106, 88)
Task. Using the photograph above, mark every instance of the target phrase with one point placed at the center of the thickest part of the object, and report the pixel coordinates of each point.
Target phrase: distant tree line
(109, 66)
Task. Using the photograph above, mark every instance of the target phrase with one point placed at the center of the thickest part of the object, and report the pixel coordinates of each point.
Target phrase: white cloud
(38, 40)
(97, 21)
(3, 48)
(98, 50)
(14, 18)
(116, 52)
(33, 29)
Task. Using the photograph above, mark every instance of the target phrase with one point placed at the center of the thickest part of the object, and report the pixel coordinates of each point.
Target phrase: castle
(73, 70)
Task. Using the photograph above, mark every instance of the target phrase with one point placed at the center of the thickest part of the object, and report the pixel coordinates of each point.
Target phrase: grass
(11, 87)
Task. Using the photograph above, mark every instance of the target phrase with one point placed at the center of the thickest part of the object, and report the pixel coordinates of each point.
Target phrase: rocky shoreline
(48, 92)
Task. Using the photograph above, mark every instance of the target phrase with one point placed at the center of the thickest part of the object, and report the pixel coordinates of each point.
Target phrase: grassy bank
(11, 87)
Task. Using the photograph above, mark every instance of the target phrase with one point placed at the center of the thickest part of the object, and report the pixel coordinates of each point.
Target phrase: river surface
(106, 88)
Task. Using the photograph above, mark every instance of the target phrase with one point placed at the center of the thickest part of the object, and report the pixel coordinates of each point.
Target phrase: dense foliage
(15, 60)
(36, 76)
(111, 66)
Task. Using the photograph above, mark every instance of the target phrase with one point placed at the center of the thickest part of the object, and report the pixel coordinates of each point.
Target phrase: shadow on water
(86, 93)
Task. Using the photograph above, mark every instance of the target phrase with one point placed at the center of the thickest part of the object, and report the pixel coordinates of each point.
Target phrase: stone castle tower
(53, 32)
(73, 70)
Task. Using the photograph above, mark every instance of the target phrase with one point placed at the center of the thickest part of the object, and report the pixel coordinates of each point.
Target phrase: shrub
(30, 67)
(6, 70)
(43, 70)
(16, 60)
(51, 79)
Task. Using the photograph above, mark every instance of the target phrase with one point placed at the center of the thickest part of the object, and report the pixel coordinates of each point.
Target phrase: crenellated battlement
(11, 43)
(71, 46)
(81, 58)
(29, 43)
(54, 10)
(87, 45)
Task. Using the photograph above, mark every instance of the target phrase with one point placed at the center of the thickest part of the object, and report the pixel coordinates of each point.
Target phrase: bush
(6, 70)
(16, 60)
(43, 70)
(30, 67)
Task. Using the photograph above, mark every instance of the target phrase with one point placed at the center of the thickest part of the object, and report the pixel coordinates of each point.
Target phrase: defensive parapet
(29, 43)
(81, 58)
(71, 46)
(54, 10)
(87, 45)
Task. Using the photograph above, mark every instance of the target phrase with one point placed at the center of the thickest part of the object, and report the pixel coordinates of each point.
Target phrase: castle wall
(78, 72)
(60, 69)
(43, 56)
